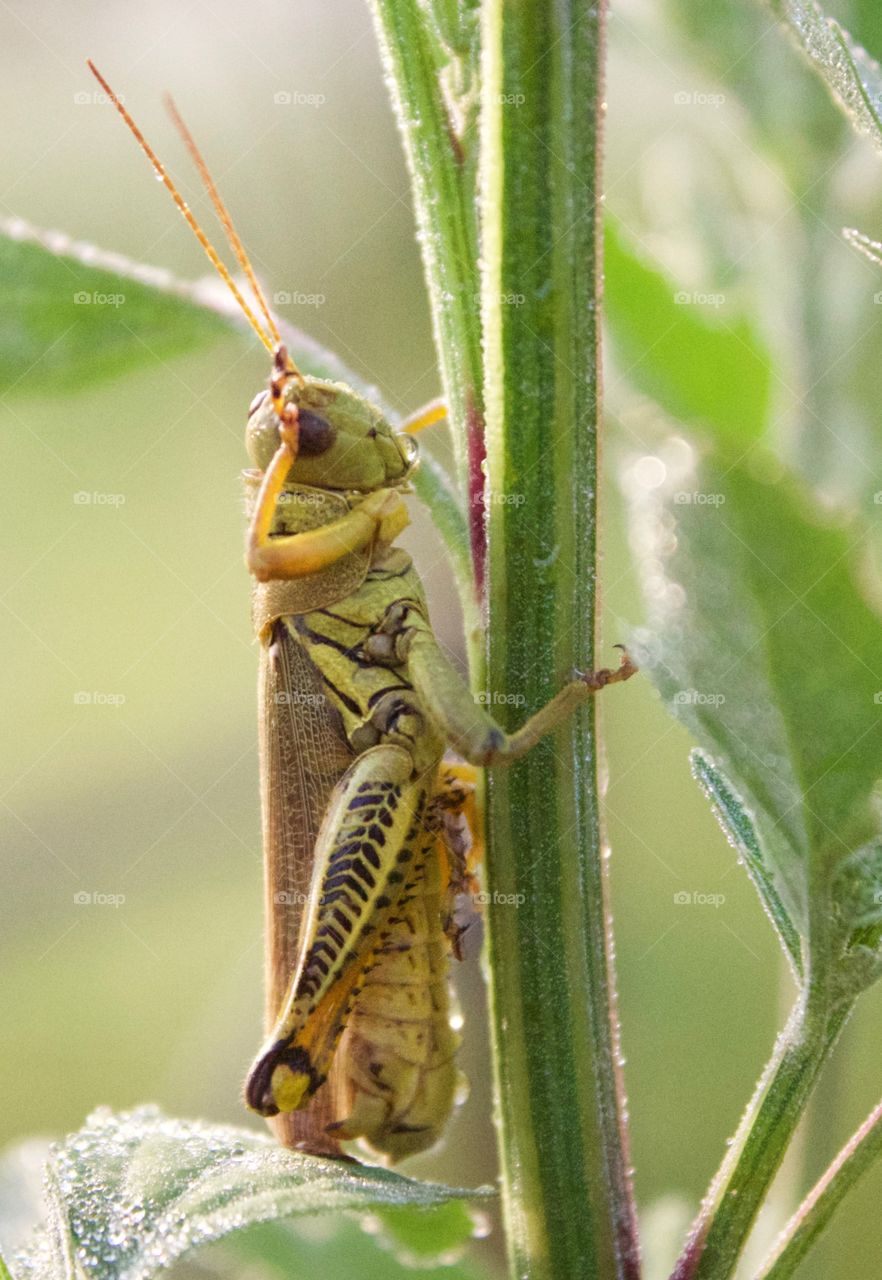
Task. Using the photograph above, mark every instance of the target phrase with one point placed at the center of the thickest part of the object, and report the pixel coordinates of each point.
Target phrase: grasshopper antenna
(211, 252)
(225, 220)
(434, 411)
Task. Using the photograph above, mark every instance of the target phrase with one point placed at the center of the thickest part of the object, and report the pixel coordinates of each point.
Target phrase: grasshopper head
(345, 442)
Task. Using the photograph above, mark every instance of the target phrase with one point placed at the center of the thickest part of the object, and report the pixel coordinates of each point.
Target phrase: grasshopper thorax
(345, 442)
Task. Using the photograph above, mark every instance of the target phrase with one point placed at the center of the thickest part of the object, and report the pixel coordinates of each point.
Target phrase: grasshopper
(365, 827)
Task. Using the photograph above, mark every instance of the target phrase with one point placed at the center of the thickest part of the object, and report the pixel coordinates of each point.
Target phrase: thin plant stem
(761, 1140)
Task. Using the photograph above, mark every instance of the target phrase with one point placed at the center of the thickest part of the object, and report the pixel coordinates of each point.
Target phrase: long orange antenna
(434, 411)
(185, 210)
(222, 212)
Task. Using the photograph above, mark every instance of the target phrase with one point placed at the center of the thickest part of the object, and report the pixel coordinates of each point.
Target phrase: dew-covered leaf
(762, 642)
(22, 1207)
(704, 364)
(130, 1193)
(853, 78)
(739, 830)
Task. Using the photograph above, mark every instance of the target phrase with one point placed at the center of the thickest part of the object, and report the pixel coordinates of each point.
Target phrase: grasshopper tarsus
(624, 671)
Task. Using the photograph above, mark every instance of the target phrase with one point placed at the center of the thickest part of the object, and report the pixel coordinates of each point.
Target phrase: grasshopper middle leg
(466, 726)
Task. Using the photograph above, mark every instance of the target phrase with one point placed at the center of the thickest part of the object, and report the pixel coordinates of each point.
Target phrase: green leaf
(853, 78)
(330, 1246)
(130, 314)
(131, 1193)
(761, 641)
(70, 314)
(424, 1237)
(741, 834)
(703, 365)
(857, 921)
(859, 896)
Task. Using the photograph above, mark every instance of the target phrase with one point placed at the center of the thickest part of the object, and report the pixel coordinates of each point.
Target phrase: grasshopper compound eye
(316, 435)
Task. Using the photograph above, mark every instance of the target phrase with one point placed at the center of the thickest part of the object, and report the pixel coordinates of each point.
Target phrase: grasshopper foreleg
(377, 520)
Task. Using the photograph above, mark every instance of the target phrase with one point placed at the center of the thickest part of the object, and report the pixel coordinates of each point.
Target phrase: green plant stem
(442, 168)
(754, 1157)
(814, 1214)
(433, 487)
(567, 1198)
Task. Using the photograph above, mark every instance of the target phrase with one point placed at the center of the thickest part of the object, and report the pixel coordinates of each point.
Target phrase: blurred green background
(727, 163)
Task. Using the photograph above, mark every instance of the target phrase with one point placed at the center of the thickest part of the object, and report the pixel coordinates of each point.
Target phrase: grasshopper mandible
(365, 841)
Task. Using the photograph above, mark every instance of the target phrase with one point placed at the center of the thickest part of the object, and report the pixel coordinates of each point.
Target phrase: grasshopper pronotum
(364, 838)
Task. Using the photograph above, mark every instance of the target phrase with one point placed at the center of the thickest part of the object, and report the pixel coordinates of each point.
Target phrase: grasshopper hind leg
(369, 836)
(397, 1080)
